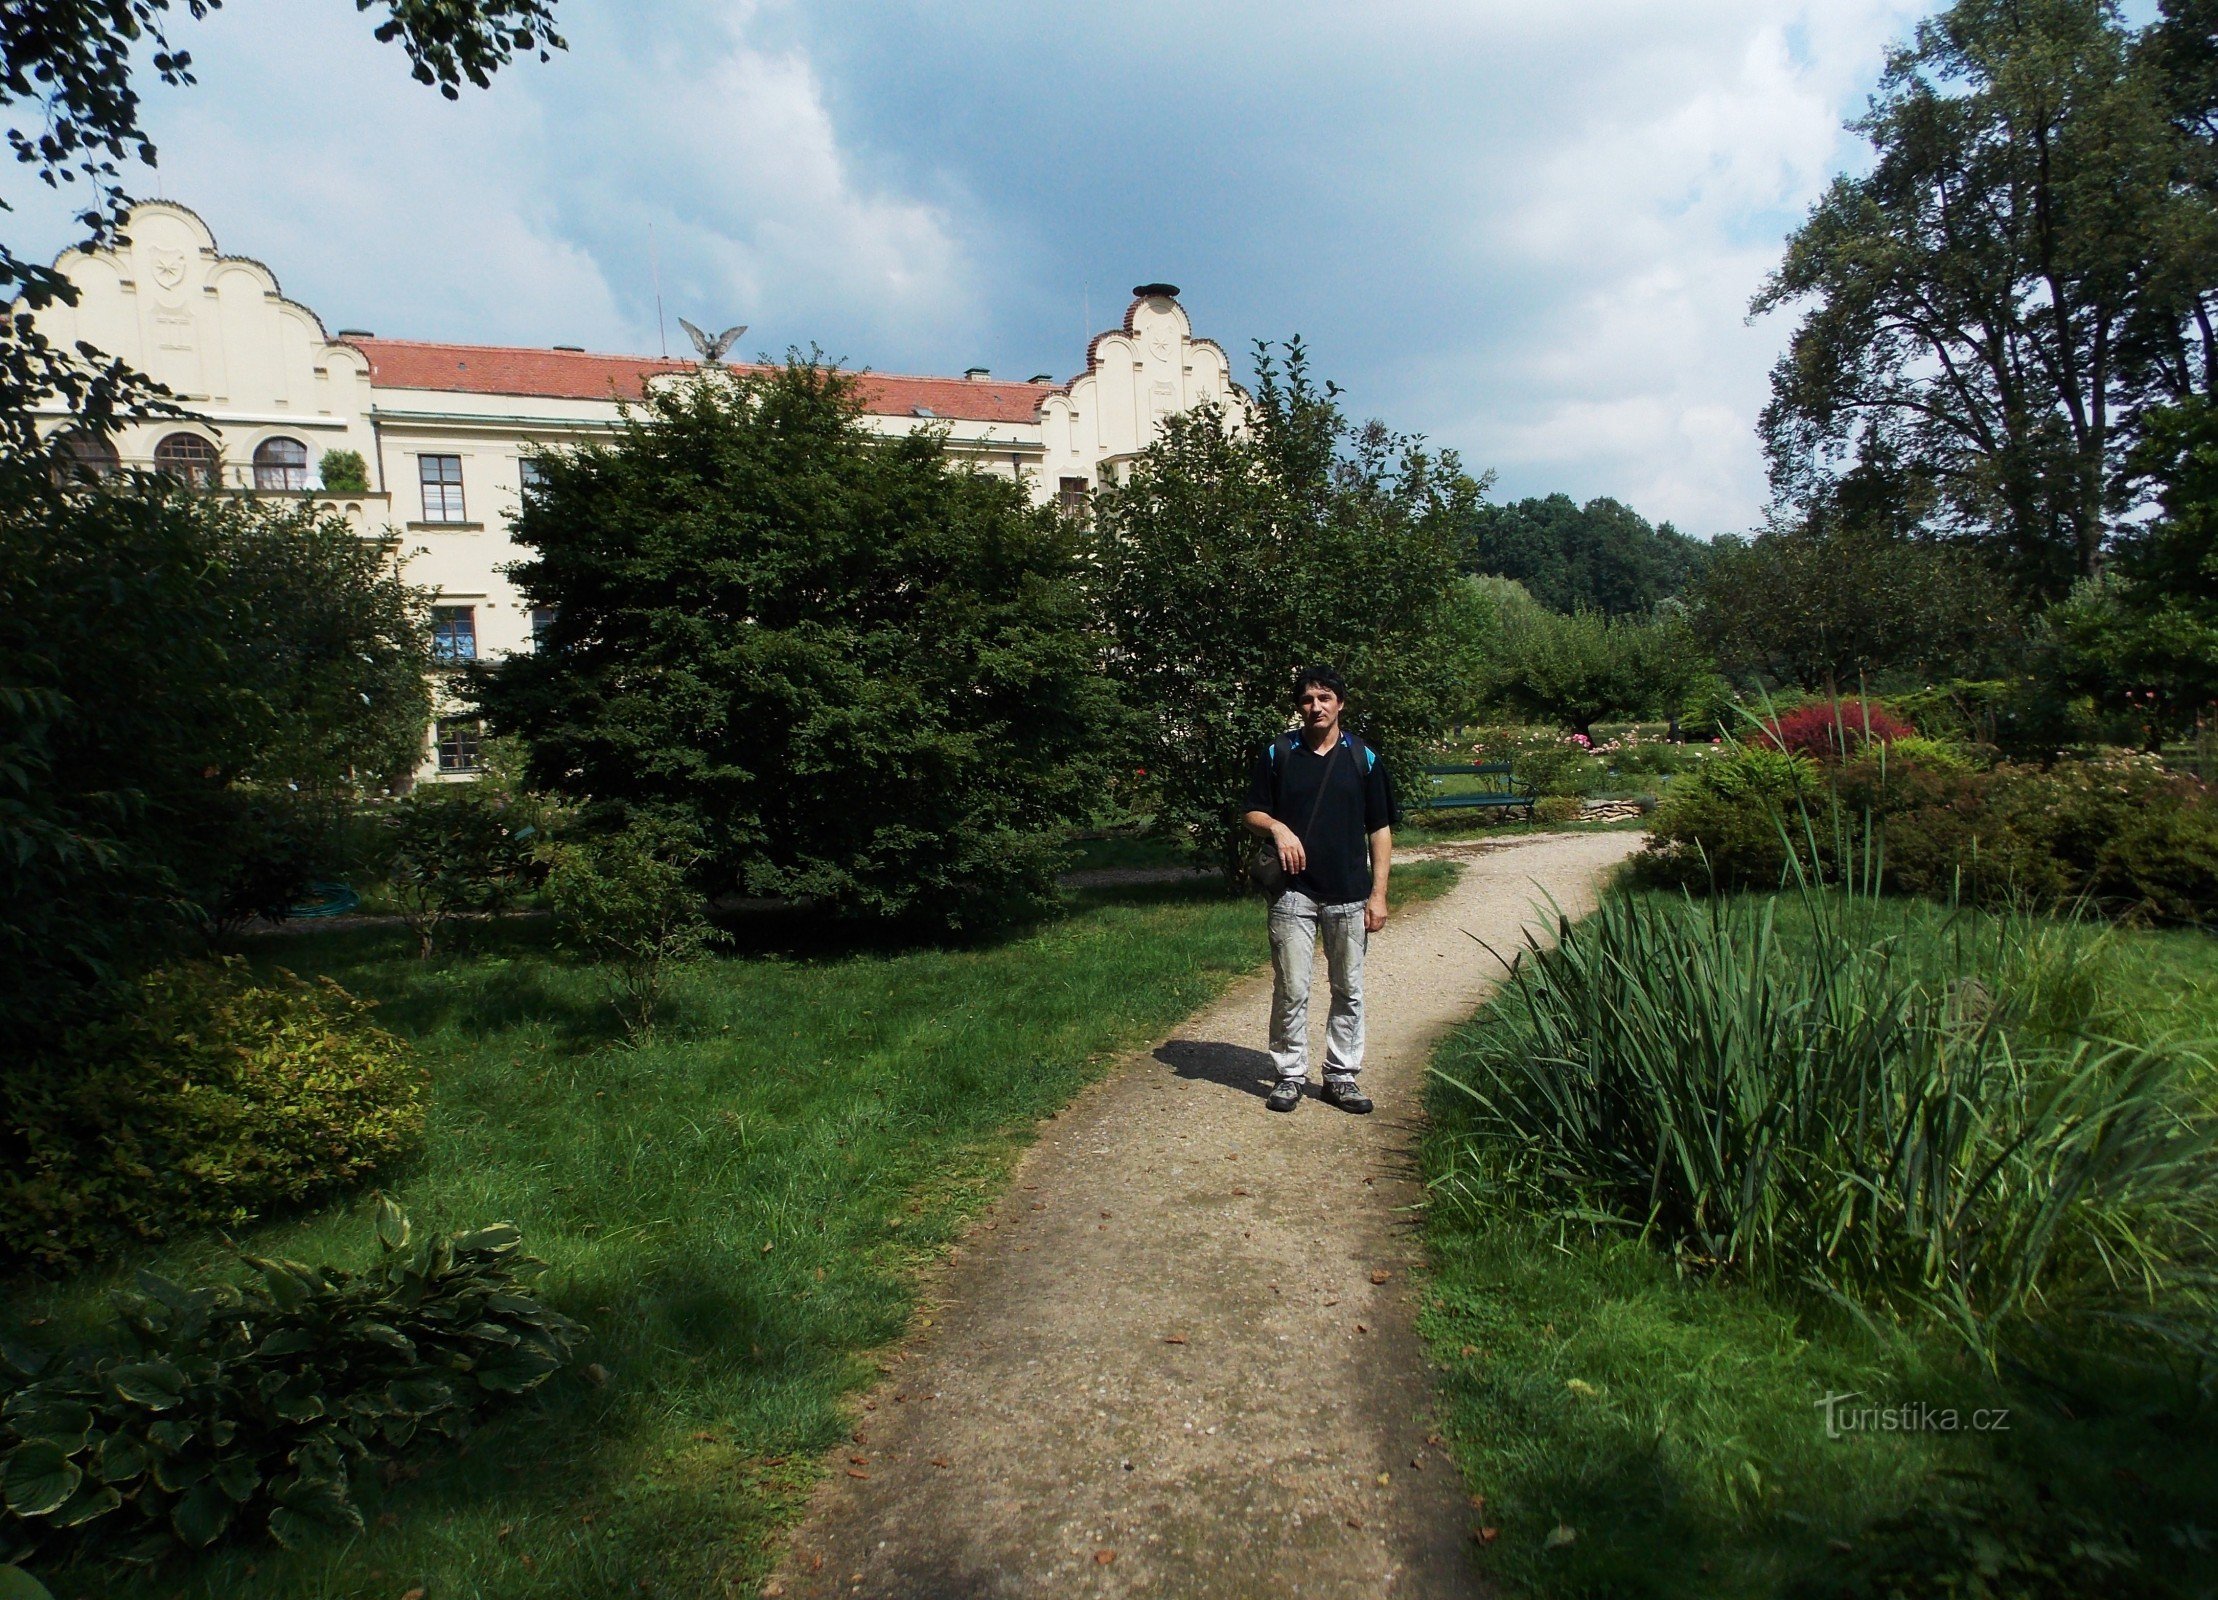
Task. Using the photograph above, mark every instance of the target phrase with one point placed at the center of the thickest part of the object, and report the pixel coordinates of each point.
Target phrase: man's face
(1320, 707)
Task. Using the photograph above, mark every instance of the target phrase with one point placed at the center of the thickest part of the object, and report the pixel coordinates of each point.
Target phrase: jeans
(1295, 923)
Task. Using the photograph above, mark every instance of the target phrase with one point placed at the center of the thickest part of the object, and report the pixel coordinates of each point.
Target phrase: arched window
(280, 464)
(189, 459)
(85, 457)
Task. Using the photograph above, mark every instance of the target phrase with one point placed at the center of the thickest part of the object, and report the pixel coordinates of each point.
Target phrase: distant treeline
(1603, 556)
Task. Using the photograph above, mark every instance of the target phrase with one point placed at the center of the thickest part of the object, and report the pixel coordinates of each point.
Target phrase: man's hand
(1374, 913)
(1292, 858)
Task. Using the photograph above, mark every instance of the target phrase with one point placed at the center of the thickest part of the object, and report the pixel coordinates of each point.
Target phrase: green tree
(857, 672)
(175, 669)
(1824, 600)
(1602, 556)
(2142, 641)
(2021, 273)
(1232, 554)
(1581, 667)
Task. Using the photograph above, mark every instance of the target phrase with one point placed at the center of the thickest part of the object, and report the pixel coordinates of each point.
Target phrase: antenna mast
(654, 266)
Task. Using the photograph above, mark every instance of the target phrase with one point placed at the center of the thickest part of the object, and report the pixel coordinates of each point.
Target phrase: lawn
(738, 1212)
(1634, 1432)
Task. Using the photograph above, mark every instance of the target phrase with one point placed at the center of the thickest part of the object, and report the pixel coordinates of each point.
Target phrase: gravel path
(1177, 1358)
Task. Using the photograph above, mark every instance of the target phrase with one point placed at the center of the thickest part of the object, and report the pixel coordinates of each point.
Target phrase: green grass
(1671, 1423)
(737, 1212)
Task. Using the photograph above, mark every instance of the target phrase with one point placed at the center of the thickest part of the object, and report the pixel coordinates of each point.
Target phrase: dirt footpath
(1177, 1359)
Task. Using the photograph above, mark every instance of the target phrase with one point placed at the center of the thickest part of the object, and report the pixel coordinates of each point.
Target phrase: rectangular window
(442, 480)
(458, 740)
(542, 624)
(533, 474)
(453, 635)
(1070, 497)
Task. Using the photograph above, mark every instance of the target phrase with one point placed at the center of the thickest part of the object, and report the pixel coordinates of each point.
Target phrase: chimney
(977, 374)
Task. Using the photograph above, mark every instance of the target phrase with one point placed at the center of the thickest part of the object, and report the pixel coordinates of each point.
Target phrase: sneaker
(1285, 1095)
(1343, 1093)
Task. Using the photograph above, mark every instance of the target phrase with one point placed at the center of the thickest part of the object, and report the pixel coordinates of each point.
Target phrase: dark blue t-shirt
(1358, 802)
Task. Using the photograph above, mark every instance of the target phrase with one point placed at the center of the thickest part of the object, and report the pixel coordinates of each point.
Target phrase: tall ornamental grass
(1903, 1127)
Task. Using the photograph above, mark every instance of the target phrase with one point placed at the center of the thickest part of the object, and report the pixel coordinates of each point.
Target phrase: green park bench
(1498, 789)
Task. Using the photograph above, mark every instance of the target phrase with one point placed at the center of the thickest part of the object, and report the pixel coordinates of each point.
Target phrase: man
(1322, 799)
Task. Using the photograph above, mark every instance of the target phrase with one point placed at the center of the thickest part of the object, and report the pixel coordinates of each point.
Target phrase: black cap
(1148, 291)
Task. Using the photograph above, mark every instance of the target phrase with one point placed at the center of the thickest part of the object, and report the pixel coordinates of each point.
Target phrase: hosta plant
(239, 1410)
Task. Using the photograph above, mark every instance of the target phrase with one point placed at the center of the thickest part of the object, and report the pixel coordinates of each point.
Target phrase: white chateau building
(444, 429)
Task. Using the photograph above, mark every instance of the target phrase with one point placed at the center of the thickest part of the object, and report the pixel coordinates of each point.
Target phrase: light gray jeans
(1296, 920)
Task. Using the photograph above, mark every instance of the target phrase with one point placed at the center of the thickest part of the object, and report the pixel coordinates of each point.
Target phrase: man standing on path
(1335, 869)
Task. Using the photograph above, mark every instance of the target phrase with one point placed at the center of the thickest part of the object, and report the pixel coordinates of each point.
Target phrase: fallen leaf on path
(1559, 1536)
(1486, 1535)
(1355, 1522)
(1241, 1192)
(703, 1437)
(1174, 1338)
(1468, 1350)
(853, 1472)
(773, 1589)
(939, 1461)
(860, 1461)
(1385, 1478)
(1360, 1328)
(416, 1593)
(1102, 1558)
(1380, 1275)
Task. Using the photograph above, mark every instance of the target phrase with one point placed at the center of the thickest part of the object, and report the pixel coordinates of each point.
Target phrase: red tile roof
(580, 375)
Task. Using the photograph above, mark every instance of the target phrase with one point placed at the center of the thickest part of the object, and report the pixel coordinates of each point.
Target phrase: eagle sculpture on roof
(712, 350)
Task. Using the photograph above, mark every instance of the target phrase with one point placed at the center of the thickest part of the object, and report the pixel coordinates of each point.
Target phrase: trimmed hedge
(217, 1097)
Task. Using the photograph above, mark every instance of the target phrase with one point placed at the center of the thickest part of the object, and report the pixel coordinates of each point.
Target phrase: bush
(2122, 835)
(1838, 1117)
(1557, 809)
(449, 850)
(238, 1411)
(215, 1098)
(1832, 730)
(344, 472)
(1541, 759)
(628, 900)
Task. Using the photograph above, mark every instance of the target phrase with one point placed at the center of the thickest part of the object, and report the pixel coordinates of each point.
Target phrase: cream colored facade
(446, 429)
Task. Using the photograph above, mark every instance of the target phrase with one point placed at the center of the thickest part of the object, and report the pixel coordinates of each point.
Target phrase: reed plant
(1937, 1129)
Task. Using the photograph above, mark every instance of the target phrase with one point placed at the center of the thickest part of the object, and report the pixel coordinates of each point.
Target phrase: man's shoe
(1346, 1096)
(1286, 1095)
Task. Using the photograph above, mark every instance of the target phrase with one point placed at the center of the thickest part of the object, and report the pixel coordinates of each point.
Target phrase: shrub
(215, 1098)
(1830, 730)
(1838, 1117)
(239, 1410)
(628, 900)
(448, 850)
(344, 472)
(2122, 834)
(1541, 759)
(1557, 809)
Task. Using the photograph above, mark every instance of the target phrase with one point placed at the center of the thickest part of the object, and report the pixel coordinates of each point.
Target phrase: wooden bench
(1500, 794)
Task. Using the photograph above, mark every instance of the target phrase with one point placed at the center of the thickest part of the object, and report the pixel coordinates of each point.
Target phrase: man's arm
(1382, 862)
(1292, 858)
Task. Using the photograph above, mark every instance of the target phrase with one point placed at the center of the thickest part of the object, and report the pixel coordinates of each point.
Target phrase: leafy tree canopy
(1234, 553)
(2026, 269)
(1578, 668)
(1602, 556)
(855, 671)
(176, 670)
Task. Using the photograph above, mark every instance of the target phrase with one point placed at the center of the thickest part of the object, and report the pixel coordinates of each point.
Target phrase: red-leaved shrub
(1832, 730)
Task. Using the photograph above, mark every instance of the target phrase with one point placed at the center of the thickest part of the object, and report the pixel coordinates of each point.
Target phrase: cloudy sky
(1528, 229)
